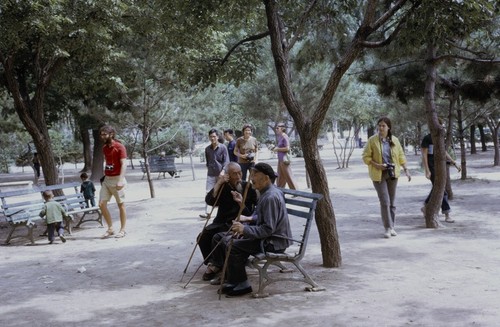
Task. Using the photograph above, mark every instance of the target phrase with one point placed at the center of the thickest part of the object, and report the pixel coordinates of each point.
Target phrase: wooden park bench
(300, 207)
(161, 165)
(22, 208)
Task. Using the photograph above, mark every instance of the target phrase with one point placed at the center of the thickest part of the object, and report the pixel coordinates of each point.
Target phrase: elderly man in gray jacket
(271, 226)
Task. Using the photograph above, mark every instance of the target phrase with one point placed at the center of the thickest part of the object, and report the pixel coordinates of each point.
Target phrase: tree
(440, 24)
(37, 38)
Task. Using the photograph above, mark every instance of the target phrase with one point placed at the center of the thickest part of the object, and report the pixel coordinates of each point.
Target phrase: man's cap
(265, 169)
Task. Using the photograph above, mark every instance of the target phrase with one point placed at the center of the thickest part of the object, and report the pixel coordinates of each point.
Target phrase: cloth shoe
(387, 233)
(216, 280)
(211, 272)
(393, 232)
(448, 219)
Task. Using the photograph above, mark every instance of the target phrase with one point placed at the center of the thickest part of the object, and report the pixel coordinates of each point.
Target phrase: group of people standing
(385, 157)
(244, 151)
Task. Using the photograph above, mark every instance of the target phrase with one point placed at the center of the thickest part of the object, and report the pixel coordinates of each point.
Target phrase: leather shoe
(239, 292)
(226, 288)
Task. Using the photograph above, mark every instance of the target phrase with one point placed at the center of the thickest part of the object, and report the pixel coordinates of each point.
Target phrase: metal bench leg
(30, 233)
(263, 280)
(9, 237)
(67, 225)
(307, 279)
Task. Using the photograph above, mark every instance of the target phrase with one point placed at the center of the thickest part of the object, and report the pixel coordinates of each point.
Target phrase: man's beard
(239, 188)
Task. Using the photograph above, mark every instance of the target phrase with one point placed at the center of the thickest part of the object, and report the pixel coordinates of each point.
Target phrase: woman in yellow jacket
(384, 156)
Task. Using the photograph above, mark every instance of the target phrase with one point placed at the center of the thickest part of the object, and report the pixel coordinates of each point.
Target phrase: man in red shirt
(114, 181)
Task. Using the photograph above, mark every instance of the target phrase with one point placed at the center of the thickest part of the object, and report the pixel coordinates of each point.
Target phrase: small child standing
(88, 190)
(54, 213)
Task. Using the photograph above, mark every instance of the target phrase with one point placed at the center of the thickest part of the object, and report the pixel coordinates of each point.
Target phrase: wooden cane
(199, 236)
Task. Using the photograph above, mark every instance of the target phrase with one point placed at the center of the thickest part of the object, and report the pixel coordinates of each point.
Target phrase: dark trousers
(90, 202)
(245, 167)
(240, 251)
(205, 239)
(52, 227)
(445, 205)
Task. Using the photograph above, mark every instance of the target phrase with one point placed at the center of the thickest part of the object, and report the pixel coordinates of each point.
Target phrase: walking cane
(213, 250)
(198, 238)
(228, 250)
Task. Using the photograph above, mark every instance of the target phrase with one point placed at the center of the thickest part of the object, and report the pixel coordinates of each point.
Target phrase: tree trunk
(87, 153)
(494, 127)
(98, 157)
(473, 139)
(483, 137)
(461, 139)
(437, 133)
(454, 105)
(496, 159)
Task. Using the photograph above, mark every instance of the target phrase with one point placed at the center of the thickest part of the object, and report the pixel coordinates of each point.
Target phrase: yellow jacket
(373, 151)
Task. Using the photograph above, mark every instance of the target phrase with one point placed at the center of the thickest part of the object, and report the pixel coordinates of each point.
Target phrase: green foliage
(65, 147)
(296, 148)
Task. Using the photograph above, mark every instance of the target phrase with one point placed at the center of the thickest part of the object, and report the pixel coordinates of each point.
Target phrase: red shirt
(113, 154)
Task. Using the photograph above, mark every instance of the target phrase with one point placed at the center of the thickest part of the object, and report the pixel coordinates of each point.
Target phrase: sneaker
(387, 233)
(393, 232)
(62, 238)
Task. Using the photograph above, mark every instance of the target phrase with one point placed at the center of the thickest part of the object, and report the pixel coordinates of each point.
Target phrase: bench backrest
(301, 205)
(72, 202)
(28, 210)
(157, 164)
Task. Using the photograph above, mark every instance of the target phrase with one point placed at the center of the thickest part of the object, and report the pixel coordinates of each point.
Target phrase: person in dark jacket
(88, 190)
(271, 226)
(223, 197)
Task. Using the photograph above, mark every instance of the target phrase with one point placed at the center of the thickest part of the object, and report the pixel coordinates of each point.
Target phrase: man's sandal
(108, 233)
(121, 234)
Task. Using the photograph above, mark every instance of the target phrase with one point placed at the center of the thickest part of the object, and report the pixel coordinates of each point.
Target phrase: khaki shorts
(108, 189)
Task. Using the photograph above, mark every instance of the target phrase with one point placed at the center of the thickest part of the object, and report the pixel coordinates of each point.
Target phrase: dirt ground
(423, 277)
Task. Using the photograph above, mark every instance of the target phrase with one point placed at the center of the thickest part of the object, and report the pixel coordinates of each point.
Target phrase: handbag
(287, 159)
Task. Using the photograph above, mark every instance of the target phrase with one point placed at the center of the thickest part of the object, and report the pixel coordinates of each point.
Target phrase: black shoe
(204, 216)
(239, 292)
(226, 288)
(62, 238)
